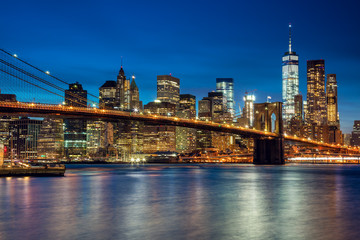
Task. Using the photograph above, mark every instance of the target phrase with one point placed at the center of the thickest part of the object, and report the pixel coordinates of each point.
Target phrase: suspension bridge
(41, 94)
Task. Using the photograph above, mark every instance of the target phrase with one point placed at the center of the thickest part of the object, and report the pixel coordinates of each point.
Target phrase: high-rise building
(187, 103)
(107, 95)
(75, 129)
(226, 86)
(168, 89)
(332, 101)
(24, 140)
(248, 111)
(186, 137)
(122, 91)
(298, 107)
(159, 137)
(135, 103)
(290, 80)
(355, 134)
(51, 139)
(316, 97)
(76, 96)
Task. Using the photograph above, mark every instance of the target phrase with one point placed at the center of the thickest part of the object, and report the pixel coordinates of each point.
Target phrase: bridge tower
(268, 117)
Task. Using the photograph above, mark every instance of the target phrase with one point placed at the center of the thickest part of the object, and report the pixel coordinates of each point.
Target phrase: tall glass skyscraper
(290, 79)
(226, 86)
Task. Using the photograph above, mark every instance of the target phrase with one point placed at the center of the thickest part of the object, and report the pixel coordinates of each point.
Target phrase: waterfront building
(51, 139)
(24, 138)
(212, 108)
(186, 137)
(107, 95)
(95, 137)
(168, 89)
(75, 129)
(355, 134)
(159, 137)
(290, 81)
(226, 86)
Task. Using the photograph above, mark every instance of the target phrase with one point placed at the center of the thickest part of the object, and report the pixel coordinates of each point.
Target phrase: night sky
(196, 41)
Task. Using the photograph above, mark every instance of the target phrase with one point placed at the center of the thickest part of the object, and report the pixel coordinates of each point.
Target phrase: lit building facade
(75, 129)
(298, 107)
(290, 82)
(122, 91)
(316, 97)
(51, 139)
(159, 137)
(332, 101)
(248, 111)
(135, 103)
(186, 137)
(76, 96)
(24, 140)
(226, 86)
(168, 89)
(107, 95)
(355, 134)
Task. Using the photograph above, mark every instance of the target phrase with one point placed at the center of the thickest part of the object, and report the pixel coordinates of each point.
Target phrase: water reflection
(184, 202)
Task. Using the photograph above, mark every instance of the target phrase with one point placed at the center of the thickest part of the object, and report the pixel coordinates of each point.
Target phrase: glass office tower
(290, 79)
(226, 86)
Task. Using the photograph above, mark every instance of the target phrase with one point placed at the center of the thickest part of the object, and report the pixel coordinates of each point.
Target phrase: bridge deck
(37, 109)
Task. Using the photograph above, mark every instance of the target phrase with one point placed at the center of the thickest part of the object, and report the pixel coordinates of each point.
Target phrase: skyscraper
(75, 129)
(168, 89)
(186, 137)
(331, 100)
(107, 95)
(122, 91)
(135, 103)
(316, 98)
(226, 86)
(355, 134)
(298, 106)
(290, 79)
(76, 96)
(248, 111)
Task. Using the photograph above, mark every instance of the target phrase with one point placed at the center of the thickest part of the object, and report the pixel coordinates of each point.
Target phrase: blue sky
(196, 41)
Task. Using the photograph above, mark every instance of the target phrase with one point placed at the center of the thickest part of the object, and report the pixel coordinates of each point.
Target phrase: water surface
(184, 202)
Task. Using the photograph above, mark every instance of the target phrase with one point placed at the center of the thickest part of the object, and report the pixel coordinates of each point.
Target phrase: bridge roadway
(39, 109)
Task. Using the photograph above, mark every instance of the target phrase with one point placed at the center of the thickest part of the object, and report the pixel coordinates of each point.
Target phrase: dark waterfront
(184, 202)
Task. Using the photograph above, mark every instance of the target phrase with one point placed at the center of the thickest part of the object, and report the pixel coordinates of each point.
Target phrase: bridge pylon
(268, 117)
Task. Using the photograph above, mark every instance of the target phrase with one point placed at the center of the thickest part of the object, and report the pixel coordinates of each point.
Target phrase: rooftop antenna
(121, 62)
(289, 37)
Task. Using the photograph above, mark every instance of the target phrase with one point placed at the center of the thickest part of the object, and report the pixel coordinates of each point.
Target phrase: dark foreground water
(184, 202)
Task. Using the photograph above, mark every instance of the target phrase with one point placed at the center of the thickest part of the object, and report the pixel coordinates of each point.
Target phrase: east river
(184, 202)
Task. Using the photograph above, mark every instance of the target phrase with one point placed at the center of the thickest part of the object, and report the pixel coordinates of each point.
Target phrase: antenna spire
(121, 62)
(289, 37)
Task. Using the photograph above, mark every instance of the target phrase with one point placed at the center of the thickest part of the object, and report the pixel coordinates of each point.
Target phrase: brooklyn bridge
(27, 82)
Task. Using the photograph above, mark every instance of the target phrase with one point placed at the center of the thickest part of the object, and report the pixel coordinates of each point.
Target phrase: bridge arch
(268, 117)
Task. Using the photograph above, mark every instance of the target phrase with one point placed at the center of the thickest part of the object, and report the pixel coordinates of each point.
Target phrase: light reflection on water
(184, 202)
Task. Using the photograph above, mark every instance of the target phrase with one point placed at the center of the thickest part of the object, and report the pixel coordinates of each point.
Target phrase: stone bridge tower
(268, 117)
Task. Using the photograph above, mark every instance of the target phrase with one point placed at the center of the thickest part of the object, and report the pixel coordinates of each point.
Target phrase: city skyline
(89, 49)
